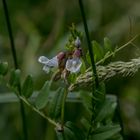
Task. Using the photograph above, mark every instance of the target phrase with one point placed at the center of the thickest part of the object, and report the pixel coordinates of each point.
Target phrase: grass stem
(89, 43)
(13, 50)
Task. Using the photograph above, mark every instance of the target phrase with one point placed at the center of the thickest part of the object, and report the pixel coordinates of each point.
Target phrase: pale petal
(48, 63)
(73, 65)
(46, 69)
(43, 60)
(53, 62)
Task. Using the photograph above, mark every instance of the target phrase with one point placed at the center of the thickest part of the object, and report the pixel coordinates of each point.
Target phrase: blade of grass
(91, 54)
(89, 43)
(13, 50)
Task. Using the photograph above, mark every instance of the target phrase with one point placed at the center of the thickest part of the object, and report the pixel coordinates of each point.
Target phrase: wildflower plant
(69, 61)
(98, 118)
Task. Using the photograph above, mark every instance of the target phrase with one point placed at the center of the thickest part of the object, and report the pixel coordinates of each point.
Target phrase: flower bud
(77, 42)
(77, 52)
(61, 56)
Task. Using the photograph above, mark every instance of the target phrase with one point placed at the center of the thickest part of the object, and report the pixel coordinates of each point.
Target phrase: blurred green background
(40, 27)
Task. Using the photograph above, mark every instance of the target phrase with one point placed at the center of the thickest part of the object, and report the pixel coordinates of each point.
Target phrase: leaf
(43, 96)
(106, 110)
(66, 134)
(60, 135)
(99, 94)
(116, 137)
(98, 51)
(107, 45)
(70, 132)
(83, 67)
(87, 101)
(27, 88)
(105, 132)
(56, 104)
(88, 57)
(14, 81)
(3, 68)
(86, 123)
(72, 77)
(1, 79)
(78, 133)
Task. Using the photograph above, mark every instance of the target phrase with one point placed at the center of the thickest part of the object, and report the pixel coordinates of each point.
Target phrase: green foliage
(102, 52)
(98, 51)
(27, 88)
(14, 81)
(106, 111)
(97, 121)
(3, 68)
(55, 104)
(72, 78)
(107, 45)
(101, 110)
(67, 134)
(79, 134)
(70, 132)
(74, 34)
(43, 96)
(105, 132)
(103, 18)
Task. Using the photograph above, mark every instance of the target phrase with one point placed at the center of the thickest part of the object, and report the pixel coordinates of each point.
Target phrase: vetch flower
(66, 62)
(74, 64)
(48, 63)
(51, 63)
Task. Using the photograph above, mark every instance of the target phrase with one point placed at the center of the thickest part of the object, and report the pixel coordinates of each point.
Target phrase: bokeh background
(40, 27)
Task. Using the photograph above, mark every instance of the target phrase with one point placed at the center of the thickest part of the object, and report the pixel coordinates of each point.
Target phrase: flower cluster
(65, 61)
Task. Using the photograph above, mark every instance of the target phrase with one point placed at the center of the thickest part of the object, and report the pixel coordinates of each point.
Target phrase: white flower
(48, 63)
(73, 65)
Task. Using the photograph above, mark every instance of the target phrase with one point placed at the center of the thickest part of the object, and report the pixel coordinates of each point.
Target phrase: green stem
(120, 118)
(22, 109)
(91, 53)
(117, 50)
(89, 44)
(63, 106)
(37, 111)
(10, 33)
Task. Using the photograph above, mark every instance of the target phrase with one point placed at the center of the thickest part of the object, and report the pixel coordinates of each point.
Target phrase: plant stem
(37, 111)
(10, 33)
(91, 53)
(13, 50)
(120, 118)
(117, 50)
(89, 44)
(63, 106)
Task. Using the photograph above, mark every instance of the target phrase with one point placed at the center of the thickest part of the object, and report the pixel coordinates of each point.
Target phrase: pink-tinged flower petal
(77, 53)
(73, 65)
(61, 55)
